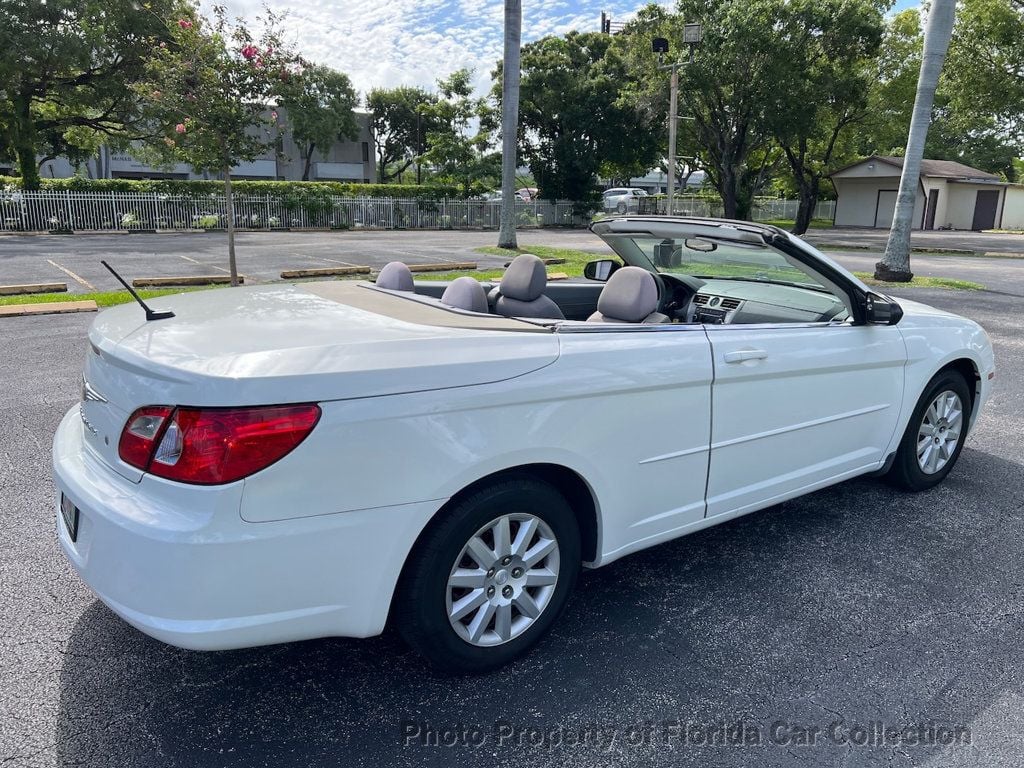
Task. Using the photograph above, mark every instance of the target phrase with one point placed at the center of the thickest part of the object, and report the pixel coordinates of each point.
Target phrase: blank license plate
(70, 514)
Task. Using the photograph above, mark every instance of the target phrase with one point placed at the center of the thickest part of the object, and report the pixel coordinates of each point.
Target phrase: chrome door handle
(742, 355)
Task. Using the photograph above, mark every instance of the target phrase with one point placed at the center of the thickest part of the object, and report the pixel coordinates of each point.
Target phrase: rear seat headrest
(465, 293)
(396, 276)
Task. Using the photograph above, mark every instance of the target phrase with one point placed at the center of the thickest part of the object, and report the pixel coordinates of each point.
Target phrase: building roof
(944, 169)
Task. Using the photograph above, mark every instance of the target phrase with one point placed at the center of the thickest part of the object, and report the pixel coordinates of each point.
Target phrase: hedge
(299, 189)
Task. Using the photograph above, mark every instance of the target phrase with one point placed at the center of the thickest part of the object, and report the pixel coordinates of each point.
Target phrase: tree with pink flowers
(209, 93)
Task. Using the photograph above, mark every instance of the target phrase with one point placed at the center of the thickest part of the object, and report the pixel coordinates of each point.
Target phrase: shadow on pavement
(854, 604)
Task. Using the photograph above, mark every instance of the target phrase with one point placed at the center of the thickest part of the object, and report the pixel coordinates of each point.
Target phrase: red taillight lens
(208, 446)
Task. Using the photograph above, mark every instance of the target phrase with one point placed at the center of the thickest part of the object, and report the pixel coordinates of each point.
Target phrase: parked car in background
(282, 462)
(528, 194)
(623, 199)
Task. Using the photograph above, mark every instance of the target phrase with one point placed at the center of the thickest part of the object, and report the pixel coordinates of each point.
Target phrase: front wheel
(935, 435)
(490, 577)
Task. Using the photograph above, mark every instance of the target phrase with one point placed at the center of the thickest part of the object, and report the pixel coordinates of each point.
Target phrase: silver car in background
(623, 199)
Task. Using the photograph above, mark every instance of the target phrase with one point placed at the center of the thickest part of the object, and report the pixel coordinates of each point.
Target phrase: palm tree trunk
(229, 200)
(510, 122)
(895, 265)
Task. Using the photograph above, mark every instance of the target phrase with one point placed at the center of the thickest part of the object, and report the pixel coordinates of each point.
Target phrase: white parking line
(189, 258)
(325, 260)
(73, 276)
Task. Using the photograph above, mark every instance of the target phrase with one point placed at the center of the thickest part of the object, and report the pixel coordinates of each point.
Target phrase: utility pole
(691, 37)
(673, 116)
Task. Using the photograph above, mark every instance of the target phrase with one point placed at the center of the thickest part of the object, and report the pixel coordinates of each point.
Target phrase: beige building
(351, 160)
(950, 195)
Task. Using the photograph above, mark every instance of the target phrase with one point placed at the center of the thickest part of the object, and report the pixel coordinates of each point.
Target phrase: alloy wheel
(502, 580)
(939, 432)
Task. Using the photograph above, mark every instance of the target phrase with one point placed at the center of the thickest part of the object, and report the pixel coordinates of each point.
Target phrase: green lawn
(573, 265)
(102, 298)
(924, 282)
(576, 259)
(788, 223)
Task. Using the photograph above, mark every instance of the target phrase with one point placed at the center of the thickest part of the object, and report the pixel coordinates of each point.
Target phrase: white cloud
(384, 43)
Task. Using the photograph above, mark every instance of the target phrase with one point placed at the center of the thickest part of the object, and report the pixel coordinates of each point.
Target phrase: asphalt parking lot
(857, 605)
(262, 256)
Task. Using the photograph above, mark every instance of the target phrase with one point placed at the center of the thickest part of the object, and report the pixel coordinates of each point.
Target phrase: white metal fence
(133, 211)
(765, 208)
(128, 211)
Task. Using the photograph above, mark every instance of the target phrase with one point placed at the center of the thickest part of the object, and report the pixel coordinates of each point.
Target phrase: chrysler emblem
(89, 394)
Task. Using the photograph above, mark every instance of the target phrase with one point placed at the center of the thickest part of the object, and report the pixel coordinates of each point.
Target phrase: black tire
(906, 472)
(421, 609)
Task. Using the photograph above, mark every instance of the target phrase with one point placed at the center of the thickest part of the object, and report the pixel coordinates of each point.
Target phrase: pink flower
(250, 52)
(163, 44)
(156, 94)
(179, 128)
(273, 115)
(185, 24)
(270, 51)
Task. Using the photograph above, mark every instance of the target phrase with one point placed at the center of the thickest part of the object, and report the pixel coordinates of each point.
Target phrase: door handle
(742, 355)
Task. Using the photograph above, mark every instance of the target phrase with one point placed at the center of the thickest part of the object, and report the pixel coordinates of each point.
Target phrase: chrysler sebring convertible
(280, 462)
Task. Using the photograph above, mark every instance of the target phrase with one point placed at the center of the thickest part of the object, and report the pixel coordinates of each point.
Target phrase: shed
(950, 195)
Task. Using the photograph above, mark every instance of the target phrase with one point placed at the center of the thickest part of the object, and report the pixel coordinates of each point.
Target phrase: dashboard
(730, 301)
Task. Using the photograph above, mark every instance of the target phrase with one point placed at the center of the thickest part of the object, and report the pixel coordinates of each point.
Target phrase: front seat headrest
(525, 278)
(629, 296)
(396, 276)
(465, 293)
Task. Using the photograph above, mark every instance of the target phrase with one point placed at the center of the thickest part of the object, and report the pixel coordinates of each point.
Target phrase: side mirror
(600, 270)
(881, 310)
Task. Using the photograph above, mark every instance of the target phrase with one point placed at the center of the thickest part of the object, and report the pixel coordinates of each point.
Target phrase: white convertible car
(282, 462)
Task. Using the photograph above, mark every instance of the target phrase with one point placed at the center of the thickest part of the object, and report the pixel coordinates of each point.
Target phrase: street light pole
(673, 111)
(691, 37)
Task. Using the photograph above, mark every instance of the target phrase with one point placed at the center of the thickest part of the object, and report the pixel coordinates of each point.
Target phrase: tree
(828, 45)
(319, 107)
(66, 69)
(206, 93)
(457, 153)
(976, 120)
(400, 128)
(574, 118)
(510, 121)
(739, 70)
(895, 264)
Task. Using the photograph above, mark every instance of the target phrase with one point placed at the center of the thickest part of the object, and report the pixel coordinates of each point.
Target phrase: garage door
(886, 208)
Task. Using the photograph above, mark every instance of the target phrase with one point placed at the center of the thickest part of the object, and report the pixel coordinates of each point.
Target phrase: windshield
(707, 258)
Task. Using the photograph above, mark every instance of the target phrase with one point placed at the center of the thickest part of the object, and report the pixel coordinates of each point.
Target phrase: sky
(385, 43)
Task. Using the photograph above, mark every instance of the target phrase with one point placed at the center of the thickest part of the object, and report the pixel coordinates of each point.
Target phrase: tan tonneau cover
(411, 308)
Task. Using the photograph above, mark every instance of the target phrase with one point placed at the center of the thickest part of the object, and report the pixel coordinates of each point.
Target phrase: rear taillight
(208, 446)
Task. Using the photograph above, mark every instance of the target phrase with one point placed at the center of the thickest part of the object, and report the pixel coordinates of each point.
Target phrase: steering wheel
(673, 296)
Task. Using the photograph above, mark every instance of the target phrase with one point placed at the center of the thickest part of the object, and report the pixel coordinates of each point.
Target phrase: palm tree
(510, 122)
(895, 264)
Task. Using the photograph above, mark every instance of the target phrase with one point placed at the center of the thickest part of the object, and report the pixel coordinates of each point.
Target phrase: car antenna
(150, 314)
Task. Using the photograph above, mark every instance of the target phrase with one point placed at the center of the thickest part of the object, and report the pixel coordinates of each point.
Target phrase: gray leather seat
(465, 293)
(521, 292)
(629, 296)
(395, 276)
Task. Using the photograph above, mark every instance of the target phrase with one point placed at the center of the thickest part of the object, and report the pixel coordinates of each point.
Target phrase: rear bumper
(179, 563)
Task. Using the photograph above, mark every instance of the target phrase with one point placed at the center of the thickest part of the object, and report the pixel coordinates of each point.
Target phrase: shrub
(300, 191)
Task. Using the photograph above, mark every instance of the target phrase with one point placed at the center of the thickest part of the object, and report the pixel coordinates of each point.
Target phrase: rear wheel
(935, 434)
(490, 578)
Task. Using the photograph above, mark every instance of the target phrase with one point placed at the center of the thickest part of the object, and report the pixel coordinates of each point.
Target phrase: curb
(174, 282)
(914, 249)
(49, 308)
(21, 290)
(445, 267)
(324, 272)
